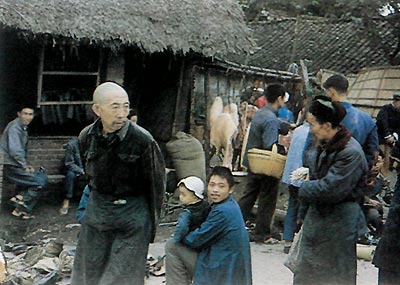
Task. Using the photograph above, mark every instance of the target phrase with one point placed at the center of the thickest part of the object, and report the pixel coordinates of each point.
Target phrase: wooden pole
(207, 97)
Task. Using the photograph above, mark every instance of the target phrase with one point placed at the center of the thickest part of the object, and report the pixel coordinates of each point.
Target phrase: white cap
(194, 184)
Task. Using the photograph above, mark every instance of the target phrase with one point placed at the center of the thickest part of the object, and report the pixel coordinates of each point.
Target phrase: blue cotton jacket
(72, 159)
(334, 219)
(190, 219)
(223, 241)
(294, 158)
(363, 129)
(14, 144)
(285, 113)
(264, 130)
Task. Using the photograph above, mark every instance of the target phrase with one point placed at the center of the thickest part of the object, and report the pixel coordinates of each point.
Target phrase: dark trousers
(69, 184)
(29, 184)
(113, 242)
(265, 188)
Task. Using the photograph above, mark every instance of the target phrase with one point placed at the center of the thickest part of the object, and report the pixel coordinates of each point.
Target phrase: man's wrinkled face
(26, 116)
(113, 111)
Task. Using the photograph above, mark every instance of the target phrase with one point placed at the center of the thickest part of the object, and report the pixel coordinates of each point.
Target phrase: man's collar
(25, 128)
(124, 130)
(269, 107)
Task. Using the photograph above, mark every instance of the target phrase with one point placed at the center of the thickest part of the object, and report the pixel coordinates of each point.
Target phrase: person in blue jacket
(80, 213)
(29, 181)
(218, 252)
(359, 123)
(73, 168)
(336, 184)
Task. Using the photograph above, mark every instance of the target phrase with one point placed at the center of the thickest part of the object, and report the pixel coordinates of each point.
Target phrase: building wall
(18, 75)
(115, 68)
(153, 84)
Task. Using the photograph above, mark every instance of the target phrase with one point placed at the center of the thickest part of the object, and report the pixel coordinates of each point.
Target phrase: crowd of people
(340, 146)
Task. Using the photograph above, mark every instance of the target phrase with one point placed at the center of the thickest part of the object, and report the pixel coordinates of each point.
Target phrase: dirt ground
(267, 260)
(49, 224)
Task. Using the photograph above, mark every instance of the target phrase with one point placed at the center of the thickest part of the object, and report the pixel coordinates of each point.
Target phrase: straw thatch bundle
(374, 87)
(209, 27)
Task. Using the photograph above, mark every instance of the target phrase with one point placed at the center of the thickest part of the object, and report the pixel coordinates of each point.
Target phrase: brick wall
(47, 152)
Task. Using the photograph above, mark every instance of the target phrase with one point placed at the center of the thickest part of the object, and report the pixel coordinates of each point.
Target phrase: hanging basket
(267, 162)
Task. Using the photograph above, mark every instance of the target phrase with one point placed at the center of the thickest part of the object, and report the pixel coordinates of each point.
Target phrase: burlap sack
(187, 156)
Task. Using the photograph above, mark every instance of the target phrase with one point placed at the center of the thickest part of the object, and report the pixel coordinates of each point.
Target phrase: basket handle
(274, 148)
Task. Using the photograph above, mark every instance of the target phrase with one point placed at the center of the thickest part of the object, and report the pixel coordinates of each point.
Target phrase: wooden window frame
(42, 73)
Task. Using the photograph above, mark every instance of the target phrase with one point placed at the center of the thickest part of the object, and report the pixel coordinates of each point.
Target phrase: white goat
(223, 129)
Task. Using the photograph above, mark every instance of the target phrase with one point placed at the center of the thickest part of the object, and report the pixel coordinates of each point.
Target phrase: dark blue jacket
(223, 241)
(264, 130)
(72, 160)
(190, 219)
(363, 129)
(334, 219)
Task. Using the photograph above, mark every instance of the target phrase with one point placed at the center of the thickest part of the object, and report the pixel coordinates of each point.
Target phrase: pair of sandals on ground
(20, 208)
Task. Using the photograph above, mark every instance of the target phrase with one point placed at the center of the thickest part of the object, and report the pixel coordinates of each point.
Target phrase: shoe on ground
(250, 225)
(64, 208)
(271, 240)
(17, 200)
(63, 211)
(286, 249)
(22, 215)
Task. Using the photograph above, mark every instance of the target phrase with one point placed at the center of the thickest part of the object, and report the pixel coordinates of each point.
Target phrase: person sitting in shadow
(73, 168)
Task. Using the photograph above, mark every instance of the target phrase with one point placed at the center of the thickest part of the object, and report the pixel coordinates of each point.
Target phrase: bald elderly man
(126, 171)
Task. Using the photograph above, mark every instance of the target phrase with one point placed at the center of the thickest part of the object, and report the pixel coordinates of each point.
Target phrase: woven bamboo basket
(267, 162)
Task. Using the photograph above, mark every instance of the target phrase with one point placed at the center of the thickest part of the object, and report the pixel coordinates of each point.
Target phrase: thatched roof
(209, 27)
(374, 87)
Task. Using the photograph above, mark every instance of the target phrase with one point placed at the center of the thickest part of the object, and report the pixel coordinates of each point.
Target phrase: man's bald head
(111, 105)
(106, 90)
